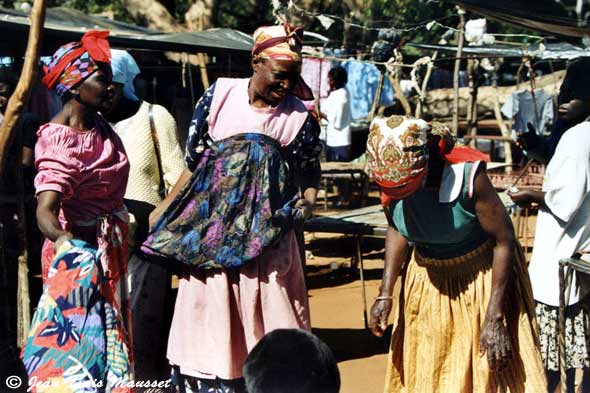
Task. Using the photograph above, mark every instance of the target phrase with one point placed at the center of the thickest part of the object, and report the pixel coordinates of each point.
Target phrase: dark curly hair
(339, 76)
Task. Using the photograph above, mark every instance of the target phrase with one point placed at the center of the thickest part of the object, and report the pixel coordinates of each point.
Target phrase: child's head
(291, 361)
(337, 77)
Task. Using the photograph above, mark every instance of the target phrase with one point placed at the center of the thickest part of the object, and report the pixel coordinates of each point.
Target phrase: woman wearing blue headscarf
(156, 161)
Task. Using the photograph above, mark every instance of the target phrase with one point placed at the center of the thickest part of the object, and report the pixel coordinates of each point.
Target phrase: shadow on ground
(322, 277)
(343, 247)
(349, 344)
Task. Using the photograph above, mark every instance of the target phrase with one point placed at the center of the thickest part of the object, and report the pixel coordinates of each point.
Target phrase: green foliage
(94, 7)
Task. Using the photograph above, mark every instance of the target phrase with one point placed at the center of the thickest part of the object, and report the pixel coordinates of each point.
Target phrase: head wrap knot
(76, 61)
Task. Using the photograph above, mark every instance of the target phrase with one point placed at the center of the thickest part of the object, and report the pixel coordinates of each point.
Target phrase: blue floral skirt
(237, 203)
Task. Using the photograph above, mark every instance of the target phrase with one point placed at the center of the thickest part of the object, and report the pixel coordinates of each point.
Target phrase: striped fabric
(435, 344)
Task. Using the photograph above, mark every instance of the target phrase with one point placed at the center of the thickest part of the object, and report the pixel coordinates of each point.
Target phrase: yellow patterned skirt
(435, 344)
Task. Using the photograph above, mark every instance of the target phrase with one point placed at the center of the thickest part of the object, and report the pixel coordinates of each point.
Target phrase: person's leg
(342, 154)
(330, 153)
(150, 284)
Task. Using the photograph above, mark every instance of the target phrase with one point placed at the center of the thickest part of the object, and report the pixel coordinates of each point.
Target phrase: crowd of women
(223, 220)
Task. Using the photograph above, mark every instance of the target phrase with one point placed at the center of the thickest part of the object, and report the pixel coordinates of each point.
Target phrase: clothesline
(328, 19)
(342, 59)
(415, 27)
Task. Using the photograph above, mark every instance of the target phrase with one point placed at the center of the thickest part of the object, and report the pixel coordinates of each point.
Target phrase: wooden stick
(377, 100)
(523, 172)
(422, 97)
(399, 93)
(455, 124)
(503, 129)
(13, 113)
(19, 98)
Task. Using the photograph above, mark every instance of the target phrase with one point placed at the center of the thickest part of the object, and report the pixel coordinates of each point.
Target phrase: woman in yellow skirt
(466, 318)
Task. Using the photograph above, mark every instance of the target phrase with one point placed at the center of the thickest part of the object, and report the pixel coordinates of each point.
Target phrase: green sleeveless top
(439, 230)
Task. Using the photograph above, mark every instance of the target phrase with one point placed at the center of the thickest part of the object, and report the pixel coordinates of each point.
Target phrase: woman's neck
(78, 116)
(124, 110)
(254, 99)
(435, 170)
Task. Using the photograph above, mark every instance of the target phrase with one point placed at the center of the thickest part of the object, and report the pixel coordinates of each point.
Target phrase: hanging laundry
(520, 107)
(363, 79)
(314, 72)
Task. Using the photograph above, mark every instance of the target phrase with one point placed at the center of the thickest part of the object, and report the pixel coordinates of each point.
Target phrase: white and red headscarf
(397, 153)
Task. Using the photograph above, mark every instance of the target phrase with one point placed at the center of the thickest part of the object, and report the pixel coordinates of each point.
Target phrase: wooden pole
(473, 71)
(13, 113)
(455, 124)
(201, 57)
(422, 97)
(19, 98)
(394, 79)
(377, 100)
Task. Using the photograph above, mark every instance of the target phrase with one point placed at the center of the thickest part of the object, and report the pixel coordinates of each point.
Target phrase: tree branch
(21, 94)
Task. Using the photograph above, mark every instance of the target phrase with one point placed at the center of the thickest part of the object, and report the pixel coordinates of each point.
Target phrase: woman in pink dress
(79, 325)
(252, 155)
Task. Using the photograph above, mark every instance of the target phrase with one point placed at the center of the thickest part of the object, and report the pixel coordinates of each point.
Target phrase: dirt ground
(336, 305)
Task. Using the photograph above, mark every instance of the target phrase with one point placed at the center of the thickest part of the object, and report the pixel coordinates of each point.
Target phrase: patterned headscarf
(397, 154)
(398, 151)
(74, 62)
(283, 42)
(125, 70)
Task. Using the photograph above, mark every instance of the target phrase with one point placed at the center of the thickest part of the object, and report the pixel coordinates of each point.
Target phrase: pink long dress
(221, 314)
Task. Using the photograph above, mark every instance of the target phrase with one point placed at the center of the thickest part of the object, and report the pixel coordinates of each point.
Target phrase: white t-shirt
(563, 227)
(337, 109)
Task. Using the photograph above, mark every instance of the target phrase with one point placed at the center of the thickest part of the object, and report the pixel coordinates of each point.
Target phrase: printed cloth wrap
(74, 62)
(237, 203)
(77, 342)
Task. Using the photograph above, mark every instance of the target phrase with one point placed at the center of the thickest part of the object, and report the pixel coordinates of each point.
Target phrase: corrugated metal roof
(64, 25)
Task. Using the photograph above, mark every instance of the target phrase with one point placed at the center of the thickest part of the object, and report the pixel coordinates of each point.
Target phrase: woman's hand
(306, 208)
(154, 215)
(59, 242)
(526, 197)
(379, 315)
(162, 206)
(495, 341)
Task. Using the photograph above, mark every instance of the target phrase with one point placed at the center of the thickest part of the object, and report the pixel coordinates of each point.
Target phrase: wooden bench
(345, 170)
(366, 221)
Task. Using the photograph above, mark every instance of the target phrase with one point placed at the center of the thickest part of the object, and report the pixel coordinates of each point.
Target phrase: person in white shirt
(336, 110)
(563, 230)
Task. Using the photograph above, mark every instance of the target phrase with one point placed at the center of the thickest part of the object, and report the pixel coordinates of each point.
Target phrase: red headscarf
(75, 61)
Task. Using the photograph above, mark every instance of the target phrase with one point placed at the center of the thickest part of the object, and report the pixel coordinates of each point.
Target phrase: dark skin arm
(48, 203)
(526, 197)
(162, 206)
(494, 338)
(396, 252)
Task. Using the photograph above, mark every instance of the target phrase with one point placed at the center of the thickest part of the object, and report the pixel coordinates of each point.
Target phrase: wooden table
(345, 170)
(366, 221)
